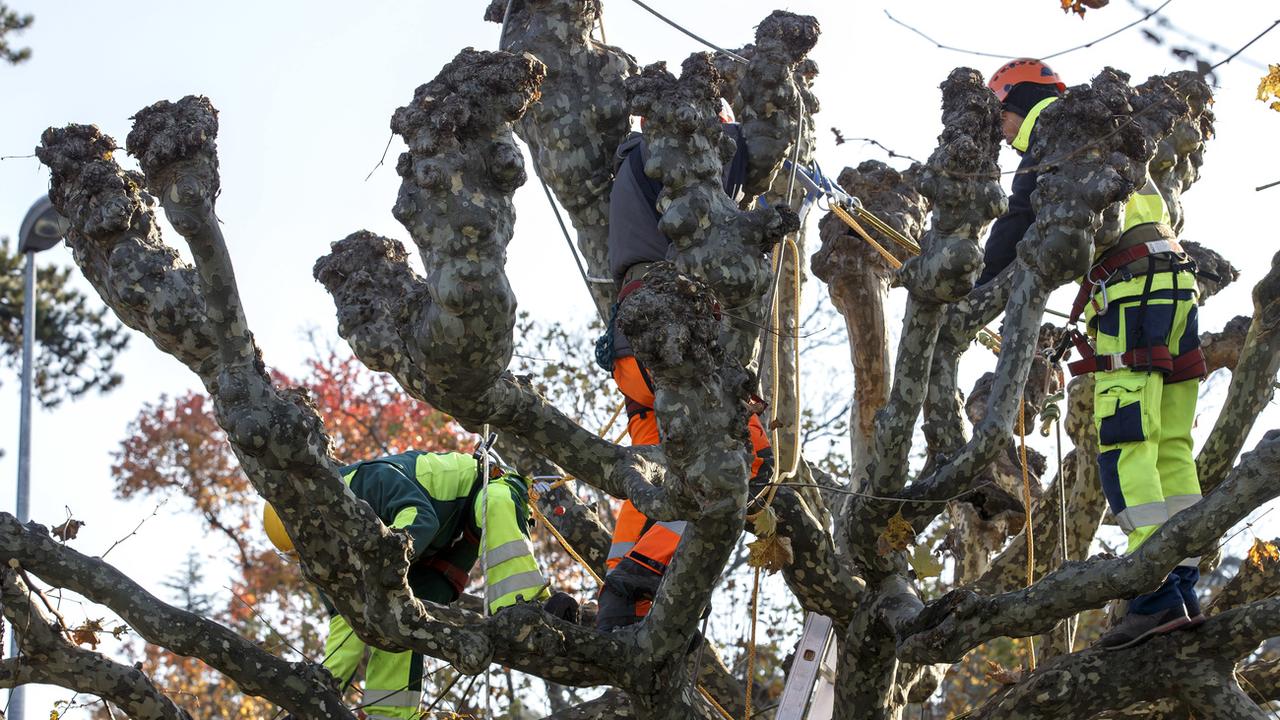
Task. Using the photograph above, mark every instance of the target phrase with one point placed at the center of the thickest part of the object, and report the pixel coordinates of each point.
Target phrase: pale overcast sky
(305, 92)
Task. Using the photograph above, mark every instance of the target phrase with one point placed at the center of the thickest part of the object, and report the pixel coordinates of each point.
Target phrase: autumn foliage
(175, 449)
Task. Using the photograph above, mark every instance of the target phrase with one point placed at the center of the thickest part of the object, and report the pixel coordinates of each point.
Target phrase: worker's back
(446, 479)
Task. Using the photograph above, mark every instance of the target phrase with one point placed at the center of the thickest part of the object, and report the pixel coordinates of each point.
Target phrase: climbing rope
(1028, 534)
(841, 213)
(1068, 625)
(686, 31)
(751, 649)
(485, 441)
(767, 493)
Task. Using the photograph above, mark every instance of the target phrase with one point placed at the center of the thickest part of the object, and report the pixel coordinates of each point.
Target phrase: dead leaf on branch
(1005, 676)
(87, 633)
(771, 553)
(68, 530)
(897, 536)
(1079, 6)
(1262, 554)
(1269, 88)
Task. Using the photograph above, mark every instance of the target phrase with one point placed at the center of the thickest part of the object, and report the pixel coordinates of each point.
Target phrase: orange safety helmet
(1022, 70)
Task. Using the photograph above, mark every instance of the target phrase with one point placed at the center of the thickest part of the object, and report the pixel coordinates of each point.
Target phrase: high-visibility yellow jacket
(438, 499)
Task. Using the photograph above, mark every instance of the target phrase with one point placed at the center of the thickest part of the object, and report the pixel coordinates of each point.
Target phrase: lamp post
(41, 229)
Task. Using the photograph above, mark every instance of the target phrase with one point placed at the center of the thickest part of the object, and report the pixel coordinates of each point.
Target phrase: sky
(305, 92)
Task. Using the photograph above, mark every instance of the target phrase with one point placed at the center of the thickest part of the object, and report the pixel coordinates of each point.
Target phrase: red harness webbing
(1187, 366)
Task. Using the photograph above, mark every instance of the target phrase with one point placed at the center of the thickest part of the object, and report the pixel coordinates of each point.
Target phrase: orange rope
(1028, 534)
(839, 212)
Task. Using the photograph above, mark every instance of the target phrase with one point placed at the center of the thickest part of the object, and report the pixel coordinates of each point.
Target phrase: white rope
(484, 557)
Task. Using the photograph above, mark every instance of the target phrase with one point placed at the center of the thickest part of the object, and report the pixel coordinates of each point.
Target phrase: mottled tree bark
(49, 655)
(858, 279)
(579, 119)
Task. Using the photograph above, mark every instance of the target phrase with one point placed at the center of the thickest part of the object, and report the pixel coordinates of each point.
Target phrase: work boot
(1134, 628)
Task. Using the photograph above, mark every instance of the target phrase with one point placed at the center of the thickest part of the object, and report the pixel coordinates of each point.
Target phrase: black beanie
(1027, 95)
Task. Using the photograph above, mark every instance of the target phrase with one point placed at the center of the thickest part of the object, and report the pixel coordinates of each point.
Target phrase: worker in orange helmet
(1024, 87)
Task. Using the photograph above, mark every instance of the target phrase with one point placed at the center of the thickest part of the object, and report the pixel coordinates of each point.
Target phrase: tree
(13, 23)
(447, 340)
(78, 343)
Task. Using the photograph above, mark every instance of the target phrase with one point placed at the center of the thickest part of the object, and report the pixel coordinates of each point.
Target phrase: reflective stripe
(528, 580)
(619, 549)
(1023, 139)
(393, 698)
(1164, 246)
(1154, 513)
(675, 526)
(507, 551)
(1178, 503)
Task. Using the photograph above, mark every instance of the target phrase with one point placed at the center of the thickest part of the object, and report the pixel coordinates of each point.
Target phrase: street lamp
(41, 229)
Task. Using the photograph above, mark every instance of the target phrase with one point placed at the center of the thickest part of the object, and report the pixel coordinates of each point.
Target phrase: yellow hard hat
(275, 529)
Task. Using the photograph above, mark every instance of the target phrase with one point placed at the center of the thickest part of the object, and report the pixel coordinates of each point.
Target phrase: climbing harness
(1093, 292)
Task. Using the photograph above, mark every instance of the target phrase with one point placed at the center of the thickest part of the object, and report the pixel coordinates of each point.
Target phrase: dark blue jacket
(1007, 232)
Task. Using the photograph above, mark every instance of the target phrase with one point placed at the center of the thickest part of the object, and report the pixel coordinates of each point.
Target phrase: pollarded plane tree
(447, 339)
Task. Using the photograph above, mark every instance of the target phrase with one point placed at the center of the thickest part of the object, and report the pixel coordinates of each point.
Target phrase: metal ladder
(810, 691)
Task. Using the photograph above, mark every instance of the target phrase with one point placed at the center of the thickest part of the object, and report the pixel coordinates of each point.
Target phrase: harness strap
(456, 576)
(1155, 357)
(1101, 273)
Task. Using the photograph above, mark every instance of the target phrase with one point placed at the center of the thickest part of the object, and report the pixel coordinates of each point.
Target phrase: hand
(563, 606)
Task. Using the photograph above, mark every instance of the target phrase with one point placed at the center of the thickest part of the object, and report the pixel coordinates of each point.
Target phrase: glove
(563, 606)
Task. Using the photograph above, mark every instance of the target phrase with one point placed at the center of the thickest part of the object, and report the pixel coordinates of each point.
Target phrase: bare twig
(135, 530)
(841, 139)
(382, 159)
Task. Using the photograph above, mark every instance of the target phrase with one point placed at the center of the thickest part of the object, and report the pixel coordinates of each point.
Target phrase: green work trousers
(1145, 460)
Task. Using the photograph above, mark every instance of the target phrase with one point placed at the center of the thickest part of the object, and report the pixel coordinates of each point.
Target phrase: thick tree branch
(961, 181)
(1252, 382)
(582, 115)
(300, 688)
(962, 619)
(1202, 661)
(857, 279)
(48, 656)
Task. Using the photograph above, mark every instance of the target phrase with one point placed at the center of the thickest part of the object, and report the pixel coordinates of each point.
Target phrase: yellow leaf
(924, 563)
(1269, 88)
(1263, 553)
(765, 523)
(770, 552)
(897, 535)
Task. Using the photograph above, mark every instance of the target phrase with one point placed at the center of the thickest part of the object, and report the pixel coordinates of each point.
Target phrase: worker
(437, 499)
(641, 549)
(1024, 87)
(1139, 300)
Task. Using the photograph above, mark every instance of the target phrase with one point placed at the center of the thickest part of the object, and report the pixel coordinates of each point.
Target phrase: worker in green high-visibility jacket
(439, 500)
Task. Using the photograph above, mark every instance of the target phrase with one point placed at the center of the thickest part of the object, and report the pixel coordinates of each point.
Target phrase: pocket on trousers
(1119, 412)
